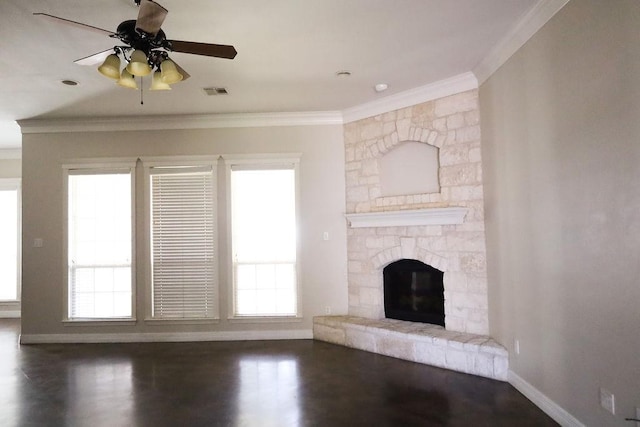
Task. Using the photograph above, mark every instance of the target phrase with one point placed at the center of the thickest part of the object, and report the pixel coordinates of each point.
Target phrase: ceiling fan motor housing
(138, 40)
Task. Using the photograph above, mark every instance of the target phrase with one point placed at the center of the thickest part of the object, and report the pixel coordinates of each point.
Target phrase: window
(99, 243)
(182, 243)
(9, 239)
(264, 250)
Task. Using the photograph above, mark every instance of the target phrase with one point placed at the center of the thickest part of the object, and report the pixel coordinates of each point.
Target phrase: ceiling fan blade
(75, 24)
(181, 70)
(150, 17)
(96, 58)
(205, 49)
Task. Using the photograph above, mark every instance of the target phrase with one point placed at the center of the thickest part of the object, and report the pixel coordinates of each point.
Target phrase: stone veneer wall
(452, 125)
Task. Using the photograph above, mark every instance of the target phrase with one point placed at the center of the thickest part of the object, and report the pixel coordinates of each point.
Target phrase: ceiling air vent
(211, 91)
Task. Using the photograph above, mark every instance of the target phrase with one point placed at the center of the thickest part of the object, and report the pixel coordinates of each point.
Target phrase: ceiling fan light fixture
(157, 83)
(126, 80)
(169, 72)
(139, 65)
(110, 67)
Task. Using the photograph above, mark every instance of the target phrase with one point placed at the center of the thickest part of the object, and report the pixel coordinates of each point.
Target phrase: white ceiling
(288, 54)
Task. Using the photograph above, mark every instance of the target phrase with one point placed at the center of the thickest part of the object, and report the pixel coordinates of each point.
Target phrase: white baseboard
(10, 314)
(165, 337)
(551, 408)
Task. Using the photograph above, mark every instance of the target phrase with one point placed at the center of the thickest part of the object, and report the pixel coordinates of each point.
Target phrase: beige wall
(322, 209)
(561, 160)
(10, 168)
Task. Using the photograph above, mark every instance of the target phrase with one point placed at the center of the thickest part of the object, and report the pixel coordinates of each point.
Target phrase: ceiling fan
(145, 49)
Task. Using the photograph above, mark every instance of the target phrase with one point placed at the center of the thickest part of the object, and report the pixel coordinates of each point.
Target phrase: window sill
(265, 319)
(151, 321)
(99, 322)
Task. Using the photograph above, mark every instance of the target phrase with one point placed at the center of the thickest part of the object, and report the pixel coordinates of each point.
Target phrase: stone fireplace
(442, 227)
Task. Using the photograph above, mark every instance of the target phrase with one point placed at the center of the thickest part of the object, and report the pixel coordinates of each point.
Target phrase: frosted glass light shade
(169, 72)
(157, 83)
(110, 67)
(127, 80)
(139, 66)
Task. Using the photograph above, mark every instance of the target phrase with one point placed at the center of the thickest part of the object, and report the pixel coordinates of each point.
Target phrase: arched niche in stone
(409, 168)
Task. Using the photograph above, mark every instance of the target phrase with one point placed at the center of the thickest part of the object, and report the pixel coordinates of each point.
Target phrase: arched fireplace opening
(413, 291)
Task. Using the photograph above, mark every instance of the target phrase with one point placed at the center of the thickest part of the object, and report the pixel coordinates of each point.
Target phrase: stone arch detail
(404, 132)
(408, 249)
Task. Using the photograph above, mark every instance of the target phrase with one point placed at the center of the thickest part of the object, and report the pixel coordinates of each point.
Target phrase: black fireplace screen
(413, 291)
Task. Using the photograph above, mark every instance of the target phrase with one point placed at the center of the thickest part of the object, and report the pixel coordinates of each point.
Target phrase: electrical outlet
(327, 310)
(607, 400)
(516, 346)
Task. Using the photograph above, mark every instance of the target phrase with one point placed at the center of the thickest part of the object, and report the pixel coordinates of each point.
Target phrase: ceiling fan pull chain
(141, 89)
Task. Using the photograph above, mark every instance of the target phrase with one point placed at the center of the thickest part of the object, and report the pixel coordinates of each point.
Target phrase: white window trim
(15, 184)
(263, 160)
(148, 164)
(97, 166)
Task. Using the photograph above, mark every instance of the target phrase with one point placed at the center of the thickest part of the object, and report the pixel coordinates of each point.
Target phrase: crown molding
(195, 121)
(519, 34)
(450, 86)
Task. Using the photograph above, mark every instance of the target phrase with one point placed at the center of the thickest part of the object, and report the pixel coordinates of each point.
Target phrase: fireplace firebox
(413, 291)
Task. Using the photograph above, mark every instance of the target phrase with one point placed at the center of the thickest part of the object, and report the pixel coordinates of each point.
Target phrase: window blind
(182, 243)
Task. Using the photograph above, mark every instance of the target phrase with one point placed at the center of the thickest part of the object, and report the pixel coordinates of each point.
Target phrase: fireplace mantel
(431, 216)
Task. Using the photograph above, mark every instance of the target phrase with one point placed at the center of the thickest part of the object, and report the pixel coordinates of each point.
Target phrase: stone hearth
(417, 342)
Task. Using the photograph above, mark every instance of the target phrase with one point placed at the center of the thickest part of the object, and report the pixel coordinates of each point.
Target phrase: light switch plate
(607, 400)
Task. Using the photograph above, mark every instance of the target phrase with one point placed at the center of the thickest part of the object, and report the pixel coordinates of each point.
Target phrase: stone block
(477, 283)
(480, 326)
(482, 365)
(360, 340)
(472, 117)
(329, 334)
(370, 296)
(473, 262)
(408, 247)
(456, 360)
(370, 129)
(374, 243)
(454, 155)
(403, 126)
(401, 349)
(468, 134)
(501, 368)
(469, 300)
(461, 102)
(456, 175)
(430, 355)
(389, 125)
(353, 166)
(466, 192)
(455, 121)
(494, 348)
(455, 281)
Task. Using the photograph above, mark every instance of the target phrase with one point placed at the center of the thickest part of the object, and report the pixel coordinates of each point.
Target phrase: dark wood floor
(252, 383)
